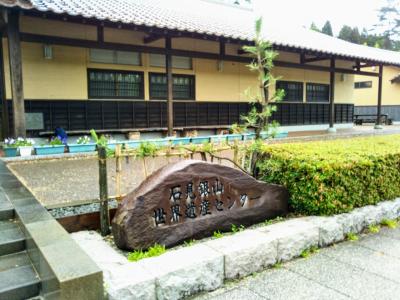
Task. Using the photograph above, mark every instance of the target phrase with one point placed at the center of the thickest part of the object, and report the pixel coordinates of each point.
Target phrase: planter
(200, 139)
(75, 148)
(10, 151)
(25, 150)
(132, 144)
(112, 145)
(234, 137)
(280, 135)
(218, 138)
(49, 150)
(181, 141)
(249, 136)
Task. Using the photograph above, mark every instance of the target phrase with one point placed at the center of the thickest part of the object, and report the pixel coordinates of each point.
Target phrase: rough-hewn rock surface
(192, 199)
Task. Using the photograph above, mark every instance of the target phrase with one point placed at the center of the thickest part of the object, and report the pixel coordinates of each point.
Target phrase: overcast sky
(361, 13)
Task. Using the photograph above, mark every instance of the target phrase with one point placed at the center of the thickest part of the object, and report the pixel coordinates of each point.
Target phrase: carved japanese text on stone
(192, 199)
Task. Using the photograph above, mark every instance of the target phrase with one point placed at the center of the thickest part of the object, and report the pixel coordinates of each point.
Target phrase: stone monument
(192, 199)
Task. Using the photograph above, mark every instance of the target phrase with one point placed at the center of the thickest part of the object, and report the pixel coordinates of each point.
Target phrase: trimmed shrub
(330, 177)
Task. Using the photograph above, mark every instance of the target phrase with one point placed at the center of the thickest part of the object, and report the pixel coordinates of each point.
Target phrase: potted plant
(83, 144)
(54, 147)
(10, 147)
(25, 146)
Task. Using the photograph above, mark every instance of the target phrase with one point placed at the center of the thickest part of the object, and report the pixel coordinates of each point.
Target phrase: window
(293, 90)
(316, 92)
(183, 86)
(115, 84)
(363, 84)
(178, 62)
(115, 57)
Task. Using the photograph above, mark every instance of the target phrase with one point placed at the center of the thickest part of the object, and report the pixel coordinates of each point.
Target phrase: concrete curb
(204, 266)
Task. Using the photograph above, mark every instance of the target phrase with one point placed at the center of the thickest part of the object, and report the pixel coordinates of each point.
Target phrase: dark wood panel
(78, 115)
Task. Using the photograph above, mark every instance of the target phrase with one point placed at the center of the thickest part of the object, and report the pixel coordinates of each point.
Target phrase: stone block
(352, 222)
(294, 236)
(130, 282)
(388, 210)
(372, 214)
(246, 252)
(135, 135)
(186, 271)
(189, 133)
(330, 230)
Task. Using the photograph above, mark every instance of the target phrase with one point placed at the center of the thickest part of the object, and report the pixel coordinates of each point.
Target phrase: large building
(105, 65)
(366, 91)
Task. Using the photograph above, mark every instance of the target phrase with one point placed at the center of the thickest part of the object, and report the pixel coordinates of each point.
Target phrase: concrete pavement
(364, 269)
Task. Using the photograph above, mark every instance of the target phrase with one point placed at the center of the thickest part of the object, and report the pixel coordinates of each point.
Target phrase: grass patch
(273, 221)
(307, 252)
(351, 236)
(392, 224)
(235, 228)
(374, 228)
(278, 265)
(217, 234)
(189, 243)
(156, 250)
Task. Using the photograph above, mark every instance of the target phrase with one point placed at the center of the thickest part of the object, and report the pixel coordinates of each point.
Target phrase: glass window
(115, 84)
(115, 57)
(183, 86)
(363, 84)
(316, 92)
(178, 62)
(293, 90)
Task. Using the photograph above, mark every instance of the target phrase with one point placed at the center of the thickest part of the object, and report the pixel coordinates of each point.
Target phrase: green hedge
(330, 177)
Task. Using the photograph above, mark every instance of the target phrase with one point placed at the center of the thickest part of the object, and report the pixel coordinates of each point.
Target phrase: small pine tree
(327, 28)
(314, 27)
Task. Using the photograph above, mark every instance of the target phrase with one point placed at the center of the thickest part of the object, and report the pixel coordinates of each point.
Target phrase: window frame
(318, 101)
(142, 85)
(301, 100)
(357, 85)
(192, 76)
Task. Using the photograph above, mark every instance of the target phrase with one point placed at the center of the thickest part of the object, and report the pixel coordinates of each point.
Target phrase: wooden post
(5, 129)
(170, 104)
(379, 108)
(104, 213)
(332, 97)
(118, 171)
(14, 51)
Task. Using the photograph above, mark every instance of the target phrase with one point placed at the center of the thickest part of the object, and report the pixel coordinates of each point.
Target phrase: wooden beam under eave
(315, 59)
(5, 129)
(100, 34)
(14, 50)
(170, 95)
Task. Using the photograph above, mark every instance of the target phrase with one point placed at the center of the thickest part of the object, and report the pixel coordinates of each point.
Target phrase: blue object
(200, 139)
(132, 144)
(234, 137)
(159, 142)
(75, 148)
(48, 149)
(10, 151)
(112, 146)
(61, 135)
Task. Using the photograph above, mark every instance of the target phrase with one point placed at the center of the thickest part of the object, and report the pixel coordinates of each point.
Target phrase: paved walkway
(365, 269)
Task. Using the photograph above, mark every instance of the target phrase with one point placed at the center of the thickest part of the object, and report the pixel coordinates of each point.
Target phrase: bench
(371, 118)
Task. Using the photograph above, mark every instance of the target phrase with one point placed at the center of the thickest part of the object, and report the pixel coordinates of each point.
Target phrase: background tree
(314, 27)
(258, 117)
(389, 19)
(345, 33)
(327, 28)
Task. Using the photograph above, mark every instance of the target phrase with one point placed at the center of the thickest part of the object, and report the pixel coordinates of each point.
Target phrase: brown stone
(192, 199)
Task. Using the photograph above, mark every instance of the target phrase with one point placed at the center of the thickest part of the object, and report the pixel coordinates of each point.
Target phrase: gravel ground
(68, 211)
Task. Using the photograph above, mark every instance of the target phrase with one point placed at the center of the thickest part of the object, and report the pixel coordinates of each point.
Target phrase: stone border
(65, 271)
(205, 265)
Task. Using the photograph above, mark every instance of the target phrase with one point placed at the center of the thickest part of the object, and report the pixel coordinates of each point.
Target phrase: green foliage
(314, 27)
(189, 243)
(273, 221)
(352, 237)
(278, 265)
(55, 142)
(217, 234)
(374, 228)
(330, 177)
(392, 224)
(307, 252)
(156, 250)
(100, 141)
(147, 149)
(235, 228)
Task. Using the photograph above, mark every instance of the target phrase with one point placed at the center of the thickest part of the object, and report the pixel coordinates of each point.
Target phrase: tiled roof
(205, 17)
